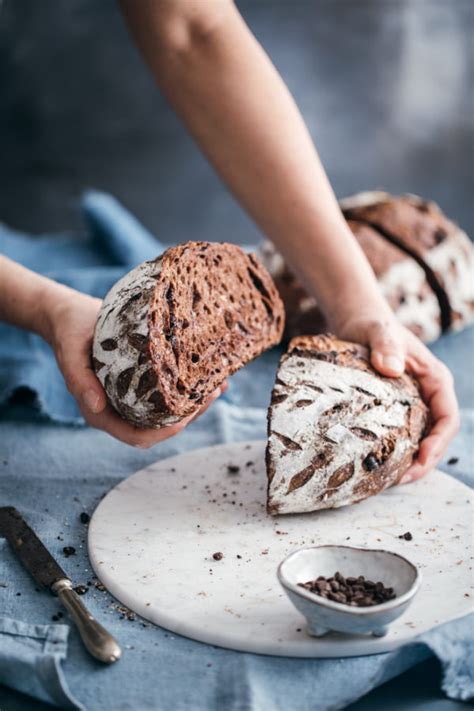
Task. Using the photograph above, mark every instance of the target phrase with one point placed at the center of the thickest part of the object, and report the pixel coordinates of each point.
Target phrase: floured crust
(426, 291)
(171, 331)
(337, 431)
(443, 250)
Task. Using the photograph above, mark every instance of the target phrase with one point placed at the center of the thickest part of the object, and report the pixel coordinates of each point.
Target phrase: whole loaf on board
(338, 432)
(174, 328)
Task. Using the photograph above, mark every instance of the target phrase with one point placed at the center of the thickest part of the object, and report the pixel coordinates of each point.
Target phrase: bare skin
(223, 86)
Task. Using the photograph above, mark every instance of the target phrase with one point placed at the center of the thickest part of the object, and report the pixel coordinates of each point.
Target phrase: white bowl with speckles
(324, 615)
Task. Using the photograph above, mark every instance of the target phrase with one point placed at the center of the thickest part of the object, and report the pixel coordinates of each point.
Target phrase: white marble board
(152, 538)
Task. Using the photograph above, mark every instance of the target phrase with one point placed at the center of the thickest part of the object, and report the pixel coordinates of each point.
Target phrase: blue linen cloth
(53, 472)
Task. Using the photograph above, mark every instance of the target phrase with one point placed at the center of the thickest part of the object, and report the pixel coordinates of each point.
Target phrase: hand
(69, 328)
(395, 349)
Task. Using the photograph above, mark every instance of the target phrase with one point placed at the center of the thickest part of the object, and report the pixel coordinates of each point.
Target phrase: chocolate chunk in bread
(173, 329)
(338, 432)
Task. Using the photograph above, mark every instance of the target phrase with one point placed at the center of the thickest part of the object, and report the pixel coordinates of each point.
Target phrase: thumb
(387, 353)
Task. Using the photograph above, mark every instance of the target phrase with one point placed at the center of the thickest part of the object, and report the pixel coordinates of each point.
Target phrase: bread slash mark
(288, 442)
(298, 480)
(124, 380)
(146, 383)
(341, 475)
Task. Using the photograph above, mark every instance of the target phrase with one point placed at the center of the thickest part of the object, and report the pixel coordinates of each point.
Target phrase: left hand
(395, 349)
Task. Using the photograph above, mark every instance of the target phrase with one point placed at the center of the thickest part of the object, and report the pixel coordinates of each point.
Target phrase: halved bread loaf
(172, 330)
(338, 432)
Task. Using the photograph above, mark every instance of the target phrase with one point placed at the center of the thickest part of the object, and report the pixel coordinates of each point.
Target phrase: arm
(223, 86)
(66, 320)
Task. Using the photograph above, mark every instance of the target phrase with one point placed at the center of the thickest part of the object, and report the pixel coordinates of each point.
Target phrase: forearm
(27, 298)
(233, 101)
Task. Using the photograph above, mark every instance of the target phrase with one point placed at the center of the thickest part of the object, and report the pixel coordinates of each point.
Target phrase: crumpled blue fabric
(32, 655)
(52, 472)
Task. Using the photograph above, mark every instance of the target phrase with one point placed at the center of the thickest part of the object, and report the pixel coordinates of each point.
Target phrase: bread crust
(173, 329)
(426, 273)
(338, 432)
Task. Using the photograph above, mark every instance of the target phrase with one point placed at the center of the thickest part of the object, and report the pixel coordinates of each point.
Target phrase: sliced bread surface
(173, 329)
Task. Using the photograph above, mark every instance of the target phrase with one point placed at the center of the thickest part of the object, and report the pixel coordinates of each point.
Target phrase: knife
(48, 573)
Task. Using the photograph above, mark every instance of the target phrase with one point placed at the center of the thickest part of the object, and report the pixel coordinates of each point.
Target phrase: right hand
(68, 325)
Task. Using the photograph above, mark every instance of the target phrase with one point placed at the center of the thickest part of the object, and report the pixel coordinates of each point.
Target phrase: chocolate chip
(69, 550)
(356, 592)
(81, 589)
(370, 463)
(84, 517)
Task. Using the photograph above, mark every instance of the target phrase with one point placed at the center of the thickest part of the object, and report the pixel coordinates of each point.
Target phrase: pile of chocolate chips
(356, 592)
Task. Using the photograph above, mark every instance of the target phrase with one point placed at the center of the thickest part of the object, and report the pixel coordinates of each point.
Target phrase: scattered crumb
(239, 556)
(81, 589)
(406, 536)
(233, 469)
(84, 517)
(453, 460)
(69, 550)
(218, 555)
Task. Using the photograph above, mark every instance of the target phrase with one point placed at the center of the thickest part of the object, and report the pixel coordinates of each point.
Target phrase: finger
(387, 353)
(437, 389)
(109, 421)
(80, 379)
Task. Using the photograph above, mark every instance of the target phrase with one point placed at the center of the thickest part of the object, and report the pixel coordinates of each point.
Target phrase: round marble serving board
(152, 538)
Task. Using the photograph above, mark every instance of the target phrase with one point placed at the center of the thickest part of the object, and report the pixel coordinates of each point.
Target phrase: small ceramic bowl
(325, 615)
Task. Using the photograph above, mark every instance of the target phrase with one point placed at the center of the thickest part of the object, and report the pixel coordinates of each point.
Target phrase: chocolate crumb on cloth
(174, 328)
(338, 432)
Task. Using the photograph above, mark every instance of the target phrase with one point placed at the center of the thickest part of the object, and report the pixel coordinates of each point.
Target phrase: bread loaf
(424, 264)
(442, 249)
(173, 329)
(338, 432)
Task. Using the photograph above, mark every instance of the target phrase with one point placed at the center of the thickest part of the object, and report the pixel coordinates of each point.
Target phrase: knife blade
(46, 571)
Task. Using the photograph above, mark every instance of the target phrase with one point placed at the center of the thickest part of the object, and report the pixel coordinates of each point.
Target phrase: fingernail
(405, 479)
(393, 363)
(91, 400)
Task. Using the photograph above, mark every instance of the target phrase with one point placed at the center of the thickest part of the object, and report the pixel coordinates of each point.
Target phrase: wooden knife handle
(96, 639)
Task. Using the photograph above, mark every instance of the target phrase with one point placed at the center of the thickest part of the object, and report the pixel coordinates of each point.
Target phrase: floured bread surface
(337, 431)
(423, 262)
(425, 234)
(173, 329)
